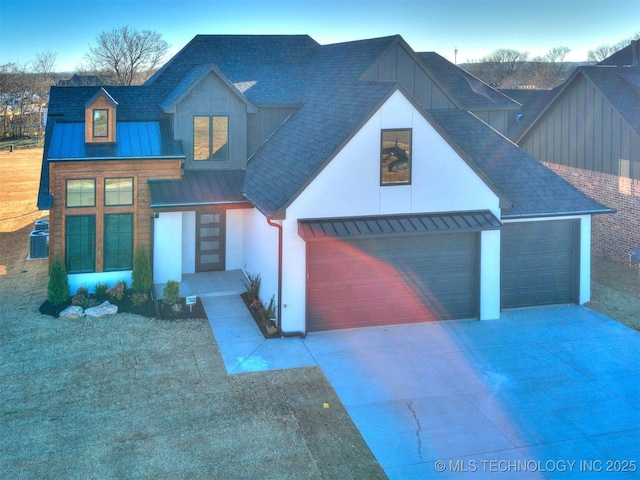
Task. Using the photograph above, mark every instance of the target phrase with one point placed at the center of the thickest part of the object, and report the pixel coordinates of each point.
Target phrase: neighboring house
(472, 94)
(82, 81)
(348, 176)
(588, 131)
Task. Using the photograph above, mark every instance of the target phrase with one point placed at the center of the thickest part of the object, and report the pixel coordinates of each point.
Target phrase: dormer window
(100, 118)
(100, 123)
(211, 137)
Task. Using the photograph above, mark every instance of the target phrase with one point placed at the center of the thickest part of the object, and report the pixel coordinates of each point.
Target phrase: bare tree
(43, 69)
(603, 51)
(131, 56)
(498, 66)
(550, 70)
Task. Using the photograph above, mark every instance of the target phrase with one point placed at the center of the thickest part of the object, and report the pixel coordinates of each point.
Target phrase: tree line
(122, 56)
(508, 68)
(126, 56)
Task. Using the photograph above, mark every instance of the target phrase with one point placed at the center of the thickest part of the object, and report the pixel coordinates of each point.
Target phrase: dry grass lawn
(20, 171)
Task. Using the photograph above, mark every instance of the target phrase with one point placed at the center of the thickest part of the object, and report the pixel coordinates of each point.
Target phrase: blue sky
(475, 27)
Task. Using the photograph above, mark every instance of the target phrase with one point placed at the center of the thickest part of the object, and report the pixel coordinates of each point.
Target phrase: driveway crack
(418, 429)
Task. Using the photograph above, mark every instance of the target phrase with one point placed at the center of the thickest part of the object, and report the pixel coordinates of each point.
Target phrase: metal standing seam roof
(215, 187)
(134, 140)
(390, 225)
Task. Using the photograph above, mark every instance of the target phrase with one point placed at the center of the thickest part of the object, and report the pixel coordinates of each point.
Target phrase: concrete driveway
(549, 392)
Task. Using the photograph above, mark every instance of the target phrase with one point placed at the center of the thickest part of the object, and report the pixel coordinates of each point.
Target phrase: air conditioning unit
(39, 244)
(42, 225)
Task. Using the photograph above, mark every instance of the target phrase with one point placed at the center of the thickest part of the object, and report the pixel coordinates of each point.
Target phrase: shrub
(101, 290)
(270, 311)
(83, 299)
(171, 293)
(81, 296)
(138, 298)
(141, 280)
(253, 287)
(117, 291)
(58, 290)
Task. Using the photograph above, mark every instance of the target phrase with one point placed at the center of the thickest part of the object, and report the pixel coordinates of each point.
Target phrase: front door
(210, 241)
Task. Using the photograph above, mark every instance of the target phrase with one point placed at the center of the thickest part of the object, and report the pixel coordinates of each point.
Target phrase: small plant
(139, 299)
(256, 305)
(101, 290)
(171, 295)
(80, 297)
(141, 280)
(117, 291)
(58, 290)
(253, 286)
(270, 312)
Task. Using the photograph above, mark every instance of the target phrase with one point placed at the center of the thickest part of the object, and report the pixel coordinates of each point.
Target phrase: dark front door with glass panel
(210, 236)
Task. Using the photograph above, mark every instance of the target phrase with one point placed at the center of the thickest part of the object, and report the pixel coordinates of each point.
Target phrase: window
(81, 243)
(118, 242)
(118, 191)
(210, 138)
(81, 193)
(100, 122)
(395, 157)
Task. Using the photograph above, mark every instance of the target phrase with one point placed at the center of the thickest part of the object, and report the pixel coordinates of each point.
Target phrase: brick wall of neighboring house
(614, 236)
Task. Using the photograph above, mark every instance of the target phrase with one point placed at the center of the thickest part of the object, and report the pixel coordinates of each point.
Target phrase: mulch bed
(147, 309)
(257, 317)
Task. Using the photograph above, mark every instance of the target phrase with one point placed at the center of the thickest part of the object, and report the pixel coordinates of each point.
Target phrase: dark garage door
(539, 263)
(391, 280)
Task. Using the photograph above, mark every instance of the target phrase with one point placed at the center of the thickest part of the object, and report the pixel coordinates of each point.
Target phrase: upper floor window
(210, 137)
(81, 193)
(100, 123)
(395, 157)
(118, 191)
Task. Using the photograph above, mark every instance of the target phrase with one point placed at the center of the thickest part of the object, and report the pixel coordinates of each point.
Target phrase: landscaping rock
(102, 310)
(72, 312)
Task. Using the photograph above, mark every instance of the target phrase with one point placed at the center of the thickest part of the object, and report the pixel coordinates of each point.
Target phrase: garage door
(540, 263)
(391, 280)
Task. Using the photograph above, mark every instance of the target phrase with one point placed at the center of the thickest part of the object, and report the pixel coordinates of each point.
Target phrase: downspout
(279, 227)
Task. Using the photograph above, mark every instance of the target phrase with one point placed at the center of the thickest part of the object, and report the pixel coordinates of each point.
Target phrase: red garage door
(391, 280)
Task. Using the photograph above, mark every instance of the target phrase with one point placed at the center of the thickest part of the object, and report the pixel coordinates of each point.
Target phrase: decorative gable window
(100, 118)
(395, 157)
(210, 137)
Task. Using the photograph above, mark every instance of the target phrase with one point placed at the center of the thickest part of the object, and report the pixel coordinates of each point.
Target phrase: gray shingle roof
(471, 92)
(323, 81)
(276, 63)
(307, 141)
(334, 104)
(621, 86)
(534, 190)
(621, 57)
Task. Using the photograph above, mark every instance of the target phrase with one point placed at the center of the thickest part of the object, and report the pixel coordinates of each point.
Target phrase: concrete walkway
(549, 392)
